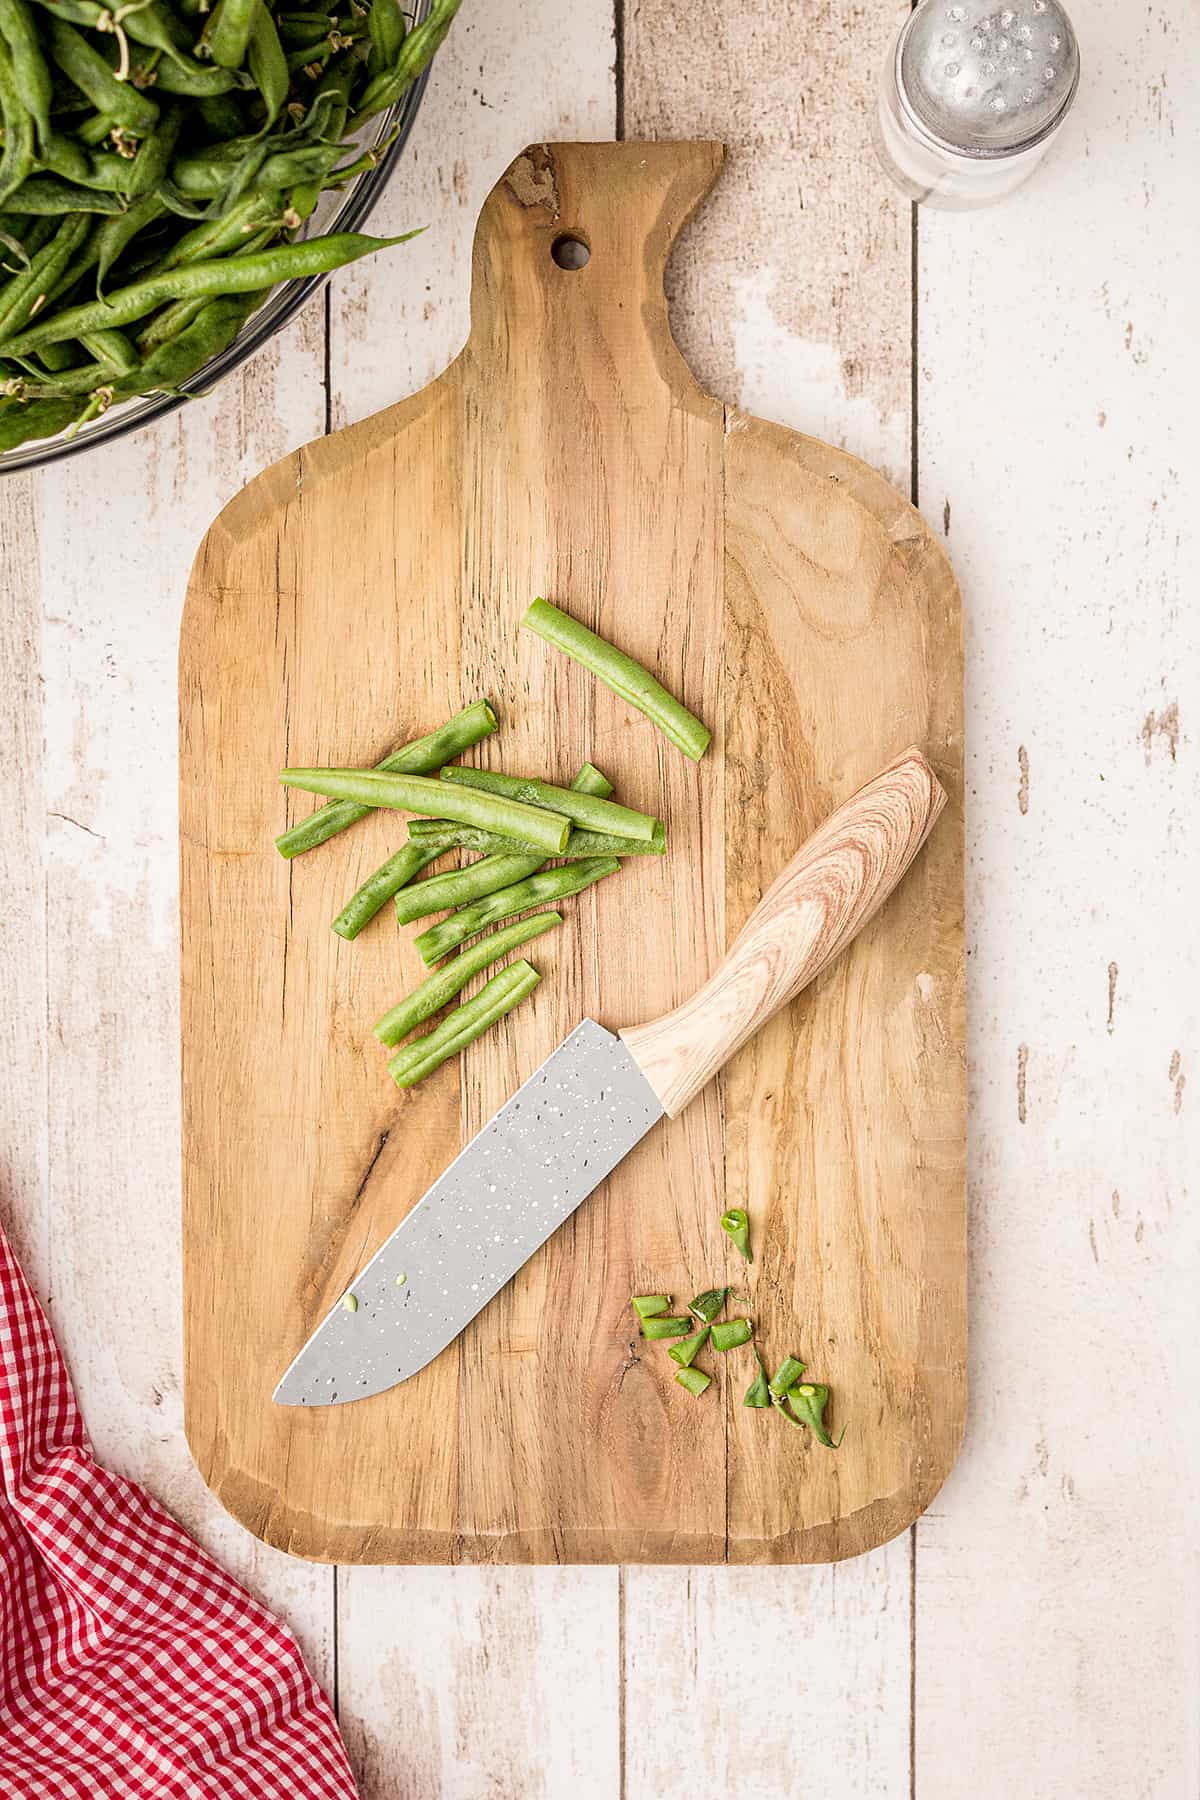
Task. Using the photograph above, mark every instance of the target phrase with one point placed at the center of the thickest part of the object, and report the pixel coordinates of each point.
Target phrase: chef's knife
(597, 1096)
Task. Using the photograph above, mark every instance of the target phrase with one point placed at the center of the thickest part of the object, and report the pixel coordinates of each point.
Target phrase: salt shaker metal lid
(986, 82)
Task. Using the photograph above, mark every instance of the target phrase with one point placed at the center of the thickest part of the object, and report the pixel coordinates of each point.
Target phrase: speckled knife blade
(528, 1169)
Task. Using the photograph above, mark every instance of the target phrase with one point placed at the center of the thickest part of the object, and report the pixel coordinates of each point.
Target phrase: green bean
(300, 29)
(440, 987)
(116, 234)
(211, 332)
(228, 275)
(580, 843)
(227, 35)
(707, 1305)
(16, 160)
(789, 1371)
(135, 111)
(217, 237)
(267, 63)
(461, 1027)
(31, 73)
(417, 793)
(687, 1349)
(113, 350)
(175, 318)
(549, 885)
(390, 878)
(695, 1381)
(26, 294)
(56, 357)
(387, 28)
(619, 672)
(736, 1225)
(420, 757)
(456, 887)
(665, 1327)
(729, 1334)
(416, 53)
(43, 194)
(65, 156)
(758, 1394)
(95, 131)
(808, 1402)
(583, 809)
(650, 1306)
(149, 167)
(37, 419)
(195, 81)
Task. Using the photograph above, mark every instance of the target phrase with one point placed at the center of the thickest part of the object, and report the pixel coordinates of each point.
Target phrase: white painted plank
(1056, 1576)
(481, 1683)
(452, 1682)
(784, 1683)
(91, 1132)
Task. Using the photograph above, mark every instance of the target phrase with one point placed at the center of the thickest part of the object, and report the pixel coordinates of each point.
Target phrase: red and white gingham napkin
(130, 1663)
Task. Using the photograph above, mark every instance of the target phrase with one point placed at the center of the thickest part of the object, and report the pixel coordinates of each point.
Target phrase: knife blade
(596, 1096)
(562, 1132)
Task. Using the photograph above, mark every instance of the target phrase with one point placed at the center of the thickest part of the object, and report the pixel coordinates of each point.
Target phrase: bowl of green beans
(177, 177)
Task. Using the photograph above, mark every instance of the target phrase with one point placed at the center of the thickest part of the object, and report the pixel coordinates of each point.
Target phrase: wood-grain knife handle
(821, 901)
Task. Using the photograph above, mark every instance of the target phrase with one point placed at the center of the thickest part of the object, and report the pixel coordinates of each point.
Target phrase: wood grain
(551, 454)
(813, 909)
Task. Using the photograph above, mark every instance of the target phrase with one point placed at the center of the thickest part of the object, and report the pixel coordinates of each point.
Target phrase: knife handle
(822, 900)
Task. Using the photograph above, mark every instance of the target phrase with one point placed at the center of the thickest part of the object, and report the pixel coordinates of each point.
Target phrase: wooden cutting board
(353, 596)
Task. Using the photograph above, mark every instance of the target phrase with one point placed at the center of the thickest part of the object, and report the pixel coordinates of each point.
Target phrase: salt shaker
(972, 97)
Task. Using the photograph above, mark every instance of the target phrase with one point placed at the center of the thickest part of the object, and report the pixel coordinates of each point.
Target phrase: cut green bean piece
(438, 989)
(619, 672)
(736, 1225)
(694, 1380)
(686, 1351)
(808, 1402)
(758, 1393)
(730, 1334)
(587, 810)
(536, 890)
(707, 1305)
(420, 794)
(649, 1306)
(590, 781)
(789, 1370)
(459, 886)
(665, 1328)
(461, 1027)
(579, 844)
(378, 888)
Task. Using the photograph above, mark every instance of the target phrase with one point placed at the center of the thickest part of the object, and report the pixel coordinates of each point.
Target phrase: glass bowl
(346, 210)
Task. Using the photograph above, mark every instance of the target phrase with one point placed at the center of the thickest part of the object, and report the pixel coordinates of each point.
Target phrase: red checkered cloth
(130, 1663)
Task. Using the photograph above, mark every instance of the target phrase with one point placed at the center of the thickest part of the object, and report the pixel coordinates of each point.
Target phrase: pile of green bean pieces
(158, 161)
(801, 1403)
(517, 824)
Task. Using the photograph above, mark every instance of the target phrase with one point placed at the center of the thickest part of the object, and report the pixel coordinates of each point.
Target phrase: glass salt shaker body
(972, 97)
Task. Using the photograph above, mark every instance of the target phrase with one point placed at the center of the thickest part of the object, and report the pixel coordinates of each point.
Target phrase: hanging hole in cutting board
(570, 252)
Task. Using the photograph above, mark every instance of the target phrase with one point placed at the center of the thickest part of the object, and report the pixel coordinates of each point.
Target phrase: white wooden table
(1032, 372)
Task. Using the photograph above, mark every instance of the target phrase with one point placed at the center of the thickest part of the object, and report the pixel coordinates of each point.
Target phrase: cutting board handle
(569, 252)
(822, 900)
